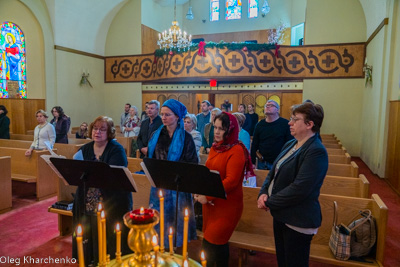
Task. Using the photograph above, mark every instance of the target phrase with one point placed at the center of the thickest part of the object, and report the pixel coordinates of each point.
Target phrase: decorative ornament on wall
(265, 9)
(85, 79)
(368, 73)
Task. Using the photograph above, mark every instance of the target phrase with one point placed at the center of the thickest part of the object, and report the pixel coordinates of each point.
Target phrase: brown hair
(312, 112)
(110, 127)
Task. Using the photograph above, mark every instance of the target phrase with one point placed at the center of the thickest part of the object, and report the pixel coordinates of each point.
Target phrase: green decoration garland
(231, 46)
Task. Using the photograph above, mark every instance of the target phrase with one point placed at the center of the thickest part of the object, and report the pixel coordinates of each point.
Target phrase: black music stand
(183, 177)
(95, 174)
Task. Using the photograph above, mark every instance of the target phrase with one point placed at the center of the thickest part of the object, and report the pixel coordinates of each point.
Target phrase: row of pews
(343, 184)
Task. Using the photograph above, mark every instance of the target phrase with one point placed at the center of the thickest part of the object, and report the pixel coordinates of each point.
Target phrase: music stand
(183, 177)
(95, 174)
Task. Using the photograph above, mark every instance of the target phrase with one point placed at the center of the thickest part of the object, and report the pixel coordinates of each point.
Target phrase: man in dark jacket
(149, 125)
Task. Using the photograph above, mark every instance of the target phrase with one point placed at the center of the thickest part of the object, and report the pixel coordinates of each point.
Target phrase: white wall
(123, 38)
(340, 98)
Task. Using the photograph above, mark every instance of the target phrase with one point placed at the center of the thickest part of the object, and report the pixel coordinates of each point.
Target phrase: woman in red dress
(231, 159)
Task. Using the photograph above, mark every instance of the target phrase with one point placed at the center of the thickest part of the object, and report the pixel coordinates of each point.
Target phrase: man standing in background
(253, 118)
(124, 115)
(148, 126)
(204, 117)
(269, 136)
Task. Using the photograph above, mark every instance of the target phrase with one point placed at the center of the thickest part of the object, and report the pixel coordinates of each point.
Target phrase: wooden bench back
(126, 142)
(203, 158)
(335, 185)
(67, 150)
(26, 137)
(350, 170)
(336, 151)
(332, 145)
(330, 141)
(134, 164)
(142, 196)
(15, 143)
(341, 159)
(77, 141)
(5, 184)
(328, 136)
(260, 222)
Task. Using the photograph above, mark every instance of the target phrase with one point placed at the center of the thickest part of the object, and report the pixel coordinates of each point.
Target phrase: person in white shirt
(44, 131)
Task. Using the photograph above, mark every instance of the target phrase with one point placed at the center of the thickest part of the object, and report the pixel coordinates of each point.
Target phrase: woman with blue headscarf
(172, 142)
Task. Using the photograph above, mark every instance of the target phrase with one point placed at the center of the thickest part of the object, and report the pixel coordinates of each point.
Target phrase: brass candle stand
(140, 242)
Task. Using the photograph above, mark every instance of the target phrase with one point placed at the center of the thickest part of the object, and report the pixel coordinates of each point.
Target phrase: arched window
(12, 61)
(214, 10)
(252, 9)
(233, 9)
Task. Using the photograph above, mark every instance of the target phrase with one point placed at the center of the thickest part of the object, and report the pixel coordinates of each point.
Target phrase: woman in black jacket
(292, 187)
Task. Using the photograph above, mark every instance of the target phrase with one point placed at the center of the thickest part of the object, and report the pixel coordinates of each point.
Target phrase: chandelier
(174, 38)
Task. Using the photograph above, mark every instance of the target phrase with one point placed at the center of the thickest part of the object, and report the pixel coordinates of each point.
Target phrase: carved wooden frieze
(289, 62)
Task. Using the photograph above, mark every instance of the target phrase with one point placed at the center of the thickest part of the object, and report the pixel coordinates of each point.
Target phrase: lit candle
(156, 247)
(104, 241)
(171, 247)
(99, 233)
(203, 259)
(118, 250)
(161, 222)
(79, 243)
(185, 233)
(185, 263)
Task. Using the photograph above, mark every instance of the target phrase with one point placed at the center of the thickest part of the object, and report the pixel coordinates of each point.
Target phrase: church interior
(93, 56)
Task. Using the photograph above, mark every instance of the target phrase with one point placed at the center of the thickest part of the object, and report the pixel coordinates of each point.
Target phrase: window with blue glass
(12, 61)
(233, 9)
(214, 10)
(252, 9)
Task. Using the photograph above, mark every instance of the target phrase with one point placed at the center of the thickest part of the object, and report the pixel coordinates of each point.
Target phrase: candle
(185, 263)
(161, 221)
(156, 247)
(141, 216)
(203, 259)
(104, 241)
(185, 233)
(99, 233)
(118, 250)
(80, 246)
(171, 247)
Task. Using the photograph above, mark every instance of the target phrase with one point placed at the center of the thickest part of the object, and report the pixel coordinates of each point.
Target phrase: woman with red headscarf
(231, 159)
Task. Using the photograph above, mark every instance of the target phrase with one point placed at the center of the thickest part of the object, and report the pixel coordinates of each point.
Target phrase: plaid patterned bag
(339, 242)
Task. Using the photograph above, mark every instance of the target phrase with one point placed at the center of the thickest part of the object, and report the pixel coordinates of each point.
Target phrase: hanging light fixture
(173, 38)
(189, 15)
(265, 8)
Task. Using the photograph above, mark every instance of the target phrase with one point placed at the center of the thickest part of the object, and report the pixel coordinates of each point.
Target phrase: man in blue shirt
(204, 117)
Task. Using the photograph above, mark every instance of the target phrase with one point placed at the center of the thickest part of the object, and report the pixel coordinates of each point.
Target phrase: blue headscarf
(176, 147)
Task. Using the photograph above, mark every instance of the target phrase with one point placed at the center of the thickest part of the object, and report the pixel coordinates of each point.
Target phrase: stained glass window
(253, 8)
(12, 61)
(233, 9)
(214, 10)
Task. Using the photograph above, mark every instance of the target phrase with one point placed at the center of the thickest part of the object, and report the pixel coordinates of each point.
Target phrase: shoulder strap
(335, 213)
(366, 214)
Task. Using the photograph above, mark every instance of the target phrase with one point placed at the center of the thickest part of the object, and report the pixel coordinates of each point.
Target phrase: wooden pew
(255, 228)
(349, 170)
(134, 164)
(332, 145)
(67, 150)
(31, 169)
(126, 142)
(25, 137)
(334, 185)
(342, 159)
(330, 141)
(328, 136)
(5, 184)
(203, 158)
(336, 151)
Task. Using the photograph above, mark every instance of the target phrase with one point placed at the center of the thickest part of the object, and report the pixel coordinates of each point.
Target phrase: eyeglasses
(99, 130)
(270, 106)
(295, 119)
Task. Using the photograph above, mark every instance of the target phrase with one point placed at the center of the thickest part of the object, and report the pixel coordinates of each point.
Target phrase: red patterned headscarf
(231, 139)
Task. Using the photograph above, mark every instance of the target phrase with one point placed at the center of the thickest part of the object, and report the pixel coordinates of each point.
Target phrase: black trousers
(292, 247)
(216, 255)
